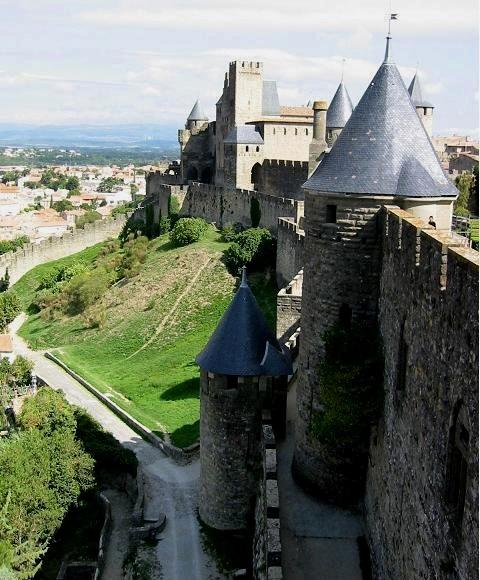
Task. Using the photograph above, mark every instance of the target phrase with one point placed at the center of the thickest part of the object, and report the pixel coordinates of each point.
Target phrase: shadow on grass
(189, 389)
(186, 434)
(166, 247)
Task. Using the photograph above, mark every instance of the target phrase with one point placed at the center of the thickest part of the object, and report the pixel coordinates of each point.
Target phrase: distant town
(39, 200)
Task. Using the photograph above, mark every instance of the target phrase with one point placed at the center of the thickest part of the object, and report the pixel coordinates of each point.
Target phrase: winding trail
(172, 310)
(169, 487)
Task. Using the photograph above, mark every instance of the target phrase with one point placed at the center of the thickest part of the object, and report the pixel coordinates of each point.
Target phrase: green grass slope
(143, 358)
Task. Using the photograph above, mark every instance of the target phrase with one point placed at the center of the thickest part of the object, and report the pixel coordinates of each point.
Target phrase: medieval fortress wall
(429, 299)
(31, 255)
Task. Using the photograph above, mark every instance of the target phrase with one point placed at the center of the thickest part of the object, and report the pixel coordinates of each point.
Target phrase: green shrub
(10, 308)
(230, 231)
(254, 247)
(351, 387)
(135, 254)
(85, 289)
(88, 217)
(187, 231)
(47, 411)
(164, 225)
(56, 278)
(132, 227)
(173, 205)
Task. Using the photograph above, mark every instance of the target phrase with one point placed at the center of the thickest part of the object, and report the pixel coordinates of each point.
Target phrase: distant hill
(118, 136)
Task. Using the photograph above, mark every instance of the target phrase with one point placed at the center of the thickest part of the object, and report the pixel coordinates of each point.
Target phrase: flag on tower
(393, 16)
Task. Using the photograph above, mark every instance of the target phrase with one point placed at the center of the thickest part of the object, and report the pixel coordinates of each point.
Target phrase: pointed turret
(237, 369)
(338, 113)
(383, 141)
(424, 108)
(197, 114)
(242, 340)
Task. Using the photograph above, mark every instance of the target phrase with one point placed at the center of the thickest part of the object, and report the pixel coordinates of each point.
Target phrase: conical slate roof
(340, 108)
(242, 343)
(197, 113)
(383, 148)
(415, 92)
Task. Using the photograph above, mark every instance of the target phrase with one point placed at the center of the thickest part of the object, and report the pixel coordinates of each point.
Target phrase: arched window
(457, 462)
(247, 148)
(256, 175)
(257, 149)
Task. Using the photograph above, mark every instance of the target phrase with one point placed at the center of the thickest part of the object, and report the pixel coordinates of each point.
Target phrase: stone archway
(256, 176)
(192, 173)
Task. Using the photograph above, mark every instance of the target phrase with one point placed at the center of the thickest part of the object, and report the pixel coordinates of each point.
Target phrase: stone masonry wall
(429, 286)
(289, 307)
(267, 549)
(31, 255)
(290, 249)
(284, 178)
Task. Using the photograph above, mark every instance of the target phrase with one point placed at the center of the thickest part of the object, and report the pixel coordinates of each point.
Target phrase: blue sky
(146, 61)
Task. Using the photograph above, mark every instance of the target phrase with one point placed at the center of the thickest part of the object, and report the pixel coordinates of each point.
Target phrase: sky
(112, 62)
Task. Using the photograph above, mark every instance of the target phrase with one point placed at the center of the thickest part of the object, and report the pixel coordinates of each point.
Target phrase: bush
(351, 378)
(10, 308)
(187, 231)
(57, 277)
(254, 247)
(135, 254)
(47, 411)
(230, 231)
(95, 317)
(88, 217)
(131, 227)
(85, 289)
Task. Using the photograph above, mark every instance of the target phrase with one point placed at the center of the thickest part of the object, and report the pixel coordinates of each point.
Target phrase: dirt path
(169, 487)
(172, 310)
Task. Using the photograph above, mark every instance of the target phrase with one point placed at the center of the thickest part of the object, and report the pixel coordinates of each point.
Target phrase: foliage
(44, 469)
(254, 247)
(173, 205)
(57, 277)
(463, 183)
(255, 212)
(108, 184)
(132, 227)
(124, 208)
(12, 245)
(351, 387)
(88, 217)
(164, 225)
(230, 231)
(109, 455)
(10, 176)
(85, 290)
(10, 308)
(135, 254)
(187, 231)
(56, 181)
(62, 205)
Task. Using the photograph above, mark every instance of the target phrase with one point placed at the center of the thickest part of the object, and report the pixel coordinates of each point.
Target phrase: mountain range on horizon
(119, 136)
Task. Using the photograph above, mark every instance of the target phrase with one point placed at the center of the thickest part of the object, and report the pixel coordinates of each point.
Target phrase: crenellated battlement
(247, 65)
(433, 257)
(285, 164)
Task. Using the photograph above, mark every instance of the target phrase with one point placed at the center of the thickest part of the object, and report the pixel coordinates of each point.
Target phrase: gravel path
(169, 487)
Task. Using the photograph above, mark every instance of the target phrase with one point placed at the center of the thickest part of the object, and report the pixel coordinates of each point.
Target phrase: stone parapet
(289, 307)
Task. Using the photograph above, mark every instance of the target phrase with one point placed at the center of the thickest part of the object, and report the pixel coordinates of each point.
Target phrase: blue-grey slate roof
(415, 92)
(245, 134)
(197, 114)
(383, 148)
(270, 101)
(242, 344)
(340, 108)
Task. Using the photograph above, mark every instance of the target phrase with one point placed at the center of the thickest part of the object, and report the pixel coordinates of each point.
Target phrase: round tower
(236, 365)
(382, 156)
(318, 145)
(197, 118)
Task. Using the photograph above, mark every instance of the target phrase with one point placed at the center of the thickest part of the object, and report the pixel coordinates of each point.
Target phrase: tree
(108, 184)
(87, 218)
(463, 183)
(473, 198)
(187, 231)
(10, 308)
(62, 205)
(72, 183)
(10, 176)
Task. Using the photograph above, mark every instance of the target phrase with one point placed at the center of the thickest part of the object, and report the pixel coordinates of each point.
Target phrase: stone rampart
(289, 307)
(31, 255)
(284, 178)
(267, 549)
(290, 249)
(428, 312)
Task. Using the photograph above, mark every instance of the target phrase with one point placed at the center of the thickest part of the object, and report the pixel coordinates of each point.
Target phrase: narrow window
(306, 131)
(345, 316)
(285, 131)
(331, 214)
(232, 381)
(258, 148)
(296, 131)
(246, 148)
(402, 361)
(274, 130)
(457, 465)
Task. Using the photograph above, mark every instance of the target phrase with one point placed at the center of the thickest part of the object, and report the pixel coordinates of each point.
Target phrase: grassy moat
(156, 323)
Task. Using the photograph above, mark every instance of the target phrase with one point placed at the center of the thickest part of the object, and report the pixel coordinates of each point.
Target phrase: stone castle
(348, 192)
